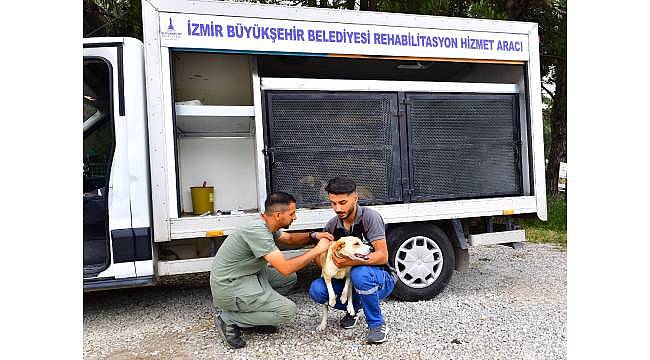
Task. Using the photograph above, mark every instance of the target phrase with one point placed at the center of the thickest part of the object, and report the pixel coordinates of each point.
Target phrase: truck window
(97, 125)
(98, 149)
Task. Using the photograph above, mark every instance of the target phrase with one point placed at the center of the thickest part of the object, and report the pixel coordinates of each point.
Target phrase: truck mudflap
(112, 283)
(499, 237)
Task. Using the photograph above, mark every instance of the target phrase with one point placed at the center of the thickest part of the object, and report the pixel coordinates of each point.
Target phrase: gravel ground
(510, 304)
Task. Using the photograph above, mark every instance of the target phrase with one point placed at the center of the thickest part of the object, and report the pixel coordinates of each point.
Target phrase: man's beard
(345, 215)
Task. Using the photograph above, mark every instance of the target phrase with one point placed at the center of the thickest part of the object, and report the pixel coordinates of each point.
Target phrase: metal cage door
(314, 136)
(463, 146)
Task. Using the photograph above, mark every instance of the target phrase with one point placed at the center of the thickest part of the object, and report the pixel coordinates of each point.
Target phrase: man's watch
(312, 235)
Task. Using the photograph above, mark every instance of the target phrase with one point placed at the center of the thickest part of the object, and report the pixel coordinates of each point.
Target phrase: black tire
(397, 237)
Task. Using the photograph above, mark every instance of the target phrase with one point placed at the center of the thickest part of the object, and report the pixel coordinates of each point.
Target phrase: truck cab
(117, 247)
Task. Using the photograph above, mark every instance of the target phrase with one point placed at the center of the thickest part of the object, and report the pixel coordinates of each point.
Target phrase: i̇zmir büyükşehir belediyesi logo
(170, 32)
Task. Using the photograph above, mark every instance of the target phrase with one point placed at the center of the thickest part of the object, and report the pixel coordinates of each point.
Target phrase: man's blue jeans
(371, 284)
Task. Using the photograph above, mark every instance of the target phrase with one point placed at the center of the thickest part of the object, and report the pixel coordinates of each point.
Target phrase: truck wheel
(423, 258)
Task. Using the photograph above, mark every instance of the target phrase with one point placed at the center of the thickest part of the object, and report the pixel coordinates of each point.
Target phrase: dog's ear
(339, 245)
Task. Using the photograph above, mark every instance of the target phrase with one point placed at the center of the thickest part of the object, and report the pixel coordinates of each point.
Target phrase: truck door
(106, 204)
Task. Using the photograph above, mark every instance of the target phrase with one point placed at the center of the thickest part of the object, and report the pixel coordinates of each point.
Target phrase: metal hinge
(268, 153)
(405, 186)
(406, 104)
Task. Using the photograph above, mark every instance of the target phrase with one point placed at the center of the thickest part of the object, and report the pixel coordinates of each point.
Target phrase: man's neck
(347, 222)
(273, 227)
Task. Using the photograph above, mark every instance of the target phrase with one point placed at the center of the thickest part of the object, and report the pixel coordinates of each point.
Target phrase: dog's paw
(344, 299)
(351, 311)
(332, 301)
(320, 327)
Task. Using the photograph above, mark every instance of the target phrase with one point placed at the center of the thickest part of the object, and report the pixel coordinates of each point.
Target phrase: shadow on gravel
(176, 287)
(190, 286)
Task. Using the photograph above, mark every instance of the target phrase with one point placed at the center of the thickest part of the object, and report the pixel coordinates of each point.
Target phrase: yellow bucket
(202, 199)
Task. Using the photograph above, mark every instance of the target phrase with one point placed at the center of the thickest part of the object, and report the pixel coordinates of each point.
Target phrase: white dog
(350, 247)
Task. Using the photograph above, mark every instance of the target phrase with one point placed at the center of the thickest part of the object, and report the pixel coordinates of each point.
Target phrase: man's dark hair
(276, 200)
(341, 185)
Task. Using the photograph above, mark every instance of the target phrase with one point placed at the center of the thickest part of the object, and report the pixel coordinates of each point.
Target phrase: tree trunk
(368, 5)
(363, 5)
(558, 151)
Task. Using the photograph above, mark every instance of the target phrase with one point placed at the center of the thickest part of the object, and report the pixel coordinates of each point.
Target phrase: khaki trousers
(256, 299)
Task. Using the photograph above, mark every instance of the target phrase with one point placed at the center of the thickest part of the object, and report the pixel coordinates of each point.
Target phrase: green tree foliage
(434, 7)
(112, 18)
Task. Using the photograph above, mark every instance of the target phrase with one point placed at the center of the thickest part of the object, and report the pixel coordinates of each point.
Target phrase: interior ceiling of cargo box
(375, 69)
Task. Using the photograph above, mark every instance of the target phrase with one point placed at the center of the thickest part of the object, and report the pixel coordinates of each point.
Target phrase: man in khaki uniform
(244, 287)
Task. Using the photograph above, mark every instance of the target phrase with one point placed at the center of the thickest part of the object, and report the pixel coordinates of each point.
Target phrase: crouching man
(372, 280)
(249, 293)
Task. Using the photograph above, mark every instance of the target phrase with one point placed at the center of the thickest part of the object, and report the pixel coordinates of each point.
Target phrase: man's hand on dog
(324, 234)
(322, 246)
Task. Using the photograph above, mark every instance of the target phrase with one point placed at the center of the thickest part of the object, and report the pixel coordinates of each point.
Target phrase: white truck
(437, 119)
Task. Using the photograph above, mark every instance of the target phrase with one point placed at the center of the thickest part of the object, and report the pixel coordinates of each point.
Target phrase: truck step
(501, 237)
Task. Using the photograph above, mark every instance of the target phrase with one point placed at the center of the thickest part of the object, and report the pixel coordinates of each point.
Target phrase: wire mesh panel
(313, 137)
(463, 146)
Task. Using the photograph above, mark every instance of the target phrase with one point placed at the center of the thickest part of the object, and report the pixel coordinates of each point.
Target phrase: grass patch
(551, 231)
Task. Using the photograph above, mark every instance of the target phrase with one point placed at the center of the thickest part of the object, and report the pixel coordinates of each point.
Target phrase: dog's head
(351, 247)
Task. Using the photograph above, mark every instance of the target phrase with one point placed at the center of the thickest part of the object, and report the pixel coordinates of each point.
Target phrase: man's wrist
(312, 236)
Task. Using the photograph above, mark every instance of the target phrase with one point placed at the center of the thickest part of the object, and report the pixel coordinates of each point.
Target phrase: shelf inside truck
(197, 120)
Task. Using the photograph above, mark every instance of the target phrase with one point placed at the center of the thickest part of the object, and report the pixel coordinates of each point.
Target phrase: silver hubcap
(418, 262)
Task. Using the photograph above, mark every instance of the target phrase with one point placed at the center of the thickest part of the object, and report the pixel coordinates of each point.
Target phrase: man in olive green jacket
(249, 292)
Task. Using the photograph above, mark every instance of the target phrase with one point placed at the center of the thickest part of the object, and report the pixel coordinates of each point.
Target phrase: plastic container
(202, 199)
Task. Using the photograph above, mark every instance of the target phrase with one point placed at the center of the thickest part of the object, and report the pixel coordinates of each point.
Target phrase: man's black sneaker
(377, 335)
(261, 329)
(349, 321)
(231, 333)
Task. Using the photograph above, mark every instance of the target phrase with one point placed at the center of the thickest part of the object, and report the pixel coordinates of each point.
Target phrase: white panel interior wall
(226, 164)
